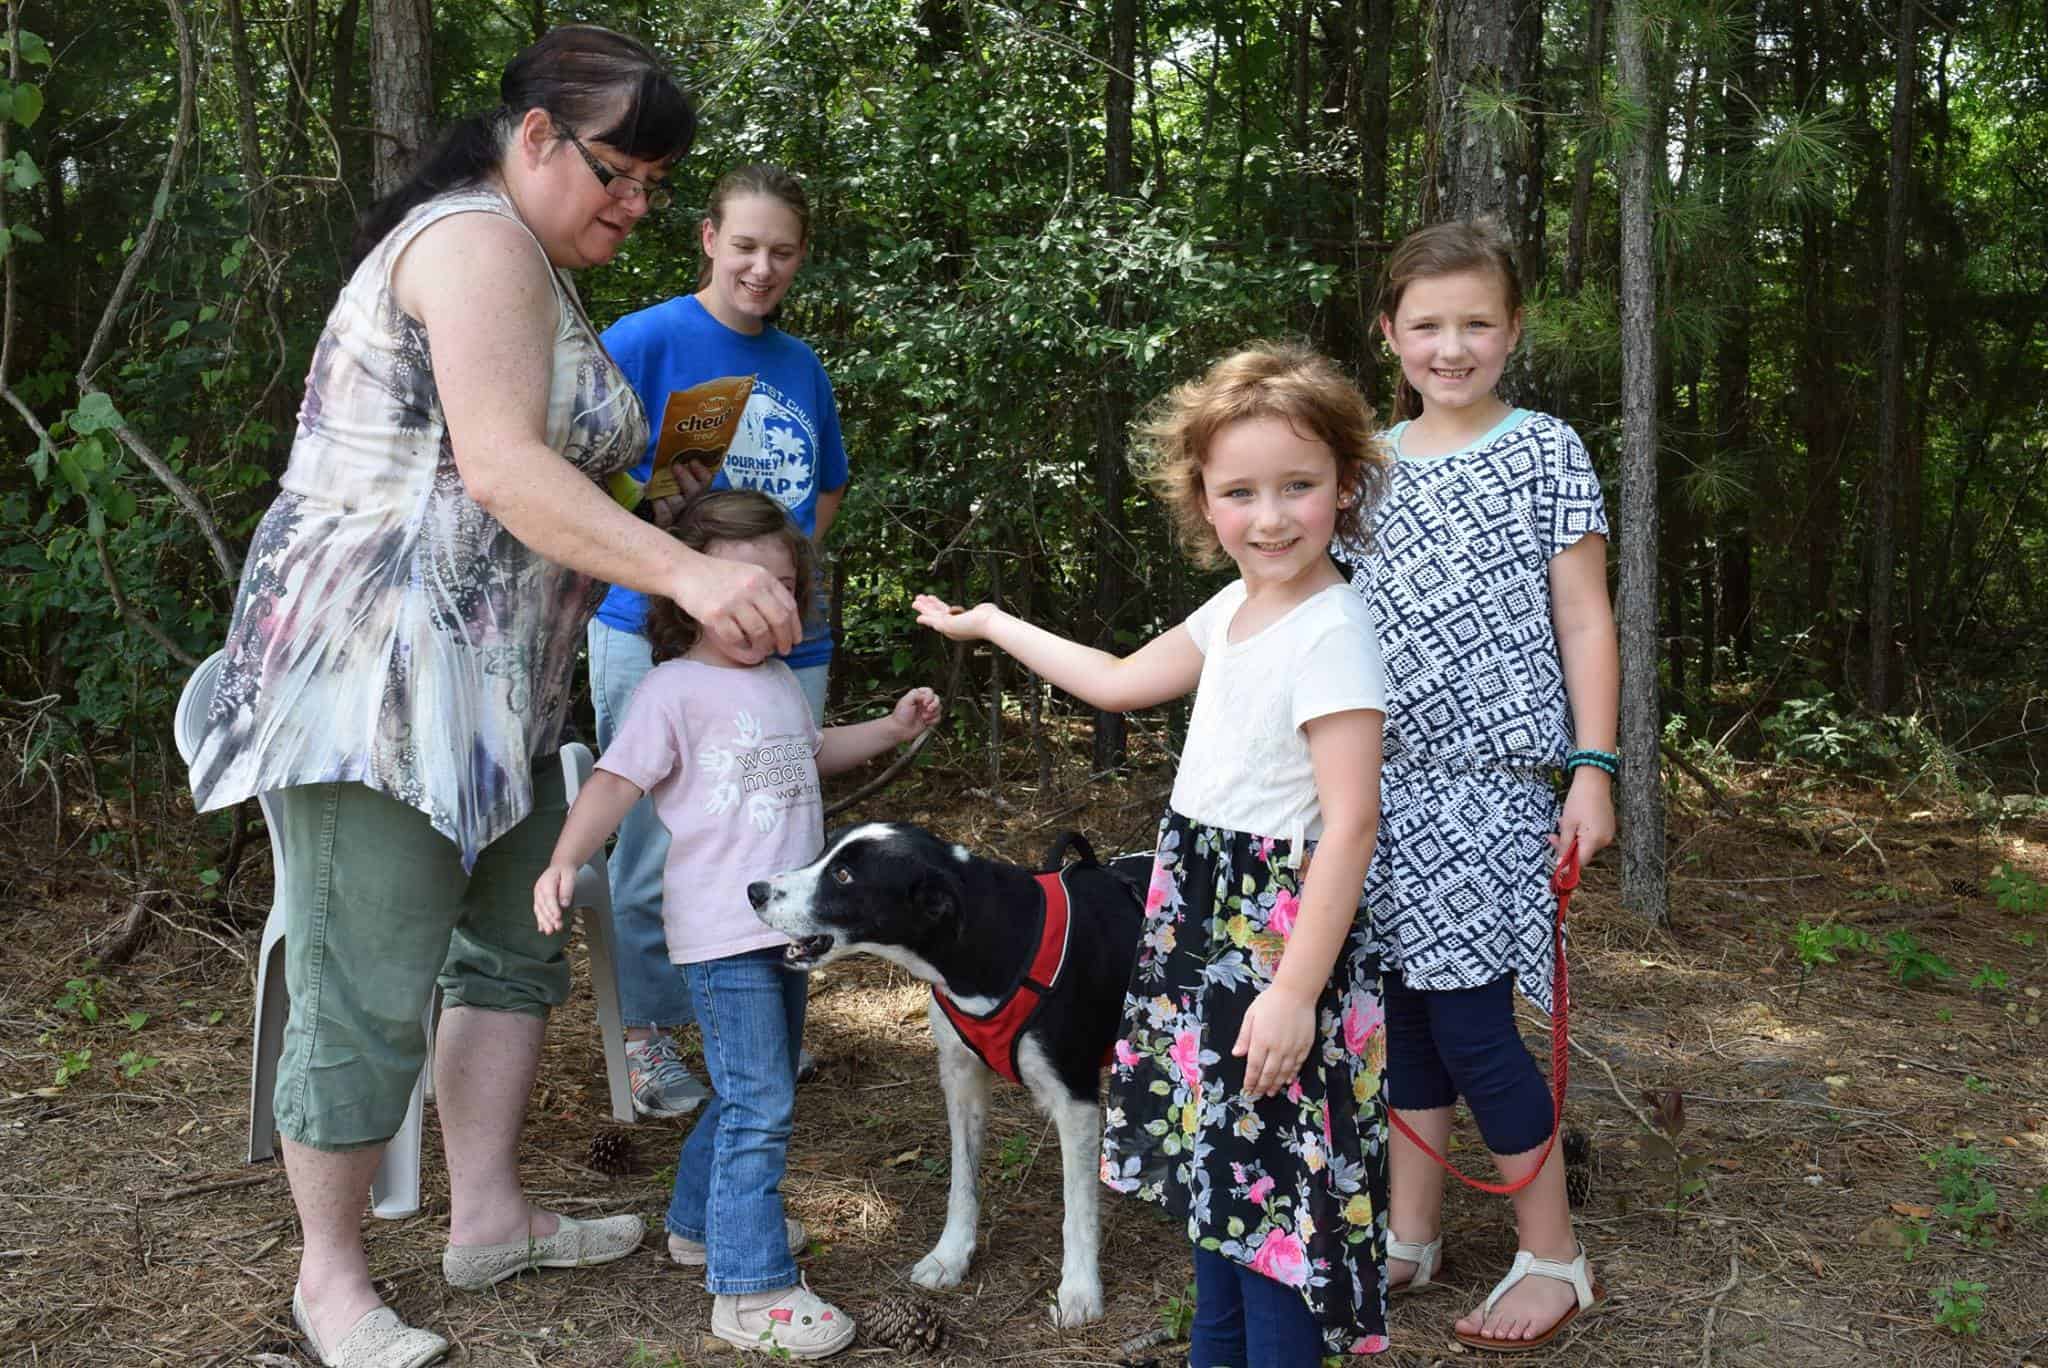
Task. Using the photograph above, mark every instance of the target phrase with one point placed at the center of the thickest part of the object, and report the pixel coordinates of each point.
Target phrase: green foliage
(1967, 1197)
(1910, 963)
(2017, 891)
(73, 1065)
(1015, 1156)
(1959, 1307)
(1824, 944)
(1988, 977)
(81, 996)
(1177, 1317)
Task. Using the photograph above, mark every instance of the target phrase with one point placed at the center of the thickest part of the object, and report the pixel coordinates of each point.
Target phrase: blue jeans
(651, 993)
(1247, 1320)
(728, 1178)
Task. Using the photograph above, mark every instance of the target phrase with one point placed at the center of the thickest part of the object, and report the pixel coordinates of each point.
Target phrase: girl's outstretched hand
(915, 713)
(1279, 1027)
(961, 624)
(551, 894)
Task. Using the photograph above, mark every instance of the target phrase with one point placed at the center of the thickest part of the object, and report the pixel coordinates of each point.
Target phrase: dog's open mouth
(805, 951)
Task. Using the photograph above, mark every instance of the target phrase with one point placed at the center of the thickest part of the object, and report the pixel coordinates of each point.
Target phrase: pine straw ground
(131, 1232)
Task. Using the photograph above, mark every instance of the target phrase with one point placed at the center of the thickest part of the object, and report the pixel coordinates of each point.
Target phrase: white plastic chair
(395, 1189)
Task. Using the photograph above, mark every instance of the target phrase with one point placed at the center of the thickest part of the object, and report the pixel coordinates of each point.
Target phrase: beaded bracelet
(1598, 759)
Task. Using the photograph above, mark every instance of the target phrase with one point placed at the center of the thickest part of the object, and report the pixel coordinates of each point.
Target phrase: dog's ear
(935, 898)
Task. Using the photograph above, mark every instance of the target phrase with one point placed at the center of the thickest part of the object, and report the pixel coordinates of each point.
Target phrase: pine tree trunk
(1891, 426)
(401, 88)
(1643, 887)
(1490, 51)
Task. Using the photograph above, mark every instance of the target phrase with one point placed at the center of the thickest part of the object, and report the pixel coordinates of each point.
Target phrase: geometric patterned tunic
(1477, 717)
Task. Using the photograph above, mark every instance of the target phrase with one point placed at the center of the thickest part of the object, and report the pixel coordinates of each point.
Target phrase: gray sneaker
(662, 1086)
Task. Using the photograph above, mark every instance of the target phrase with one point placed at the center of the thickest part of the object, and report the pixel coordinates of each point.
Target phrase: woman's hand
(1588, 815)
(742, 605)
(1279, 1027)
(959, 624)
(915, 714)
(551, 896)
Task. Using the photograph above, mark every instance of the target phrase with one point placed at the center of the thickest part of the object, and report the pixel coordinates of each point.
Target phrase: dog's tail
(1056, 854)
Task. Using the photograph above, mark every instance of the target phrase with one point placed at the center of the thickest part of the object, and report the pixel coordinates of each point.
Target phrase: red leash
(1563, 880)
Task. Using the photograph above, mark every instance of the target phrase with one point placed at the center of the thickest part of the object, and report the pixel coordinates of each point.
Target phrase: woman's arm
(1592, 682)
(1168, 666)
(1280, 1026)
(481, 288)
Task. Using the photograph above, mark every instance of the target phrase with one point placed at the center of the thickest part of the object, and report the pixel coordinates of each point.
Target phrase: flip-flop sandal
(1427, 1258)
(1526, 1264)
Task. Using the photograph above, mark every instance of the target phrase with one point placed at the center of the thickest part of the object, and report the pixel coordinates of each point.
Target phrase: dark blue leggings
(1246, 1320)
(1443, 1044)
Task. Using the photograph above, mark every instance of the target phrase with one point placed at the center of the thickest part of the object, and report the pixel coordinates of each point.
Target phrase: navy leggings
(1443, 1044)
(1247, 1320)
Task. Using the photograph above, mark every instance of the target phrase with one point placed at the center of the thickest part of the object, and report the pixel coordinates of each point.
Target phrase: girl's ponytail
(581, 75)
(463, 155)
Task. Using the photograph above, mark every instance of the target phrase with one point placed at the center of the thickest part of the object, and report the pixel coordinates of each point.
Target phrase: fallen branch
(217, 1185)
(882, 780)
(1722, 803)
(1707, 1335)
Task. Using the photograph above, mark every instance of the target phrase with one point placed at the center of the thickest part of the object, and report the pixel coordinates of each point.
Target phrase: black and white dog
(1028, 974)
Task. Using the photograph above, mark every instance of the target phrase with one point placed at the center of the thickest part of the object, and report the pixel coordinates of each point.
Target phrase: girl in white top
(1244, 1092)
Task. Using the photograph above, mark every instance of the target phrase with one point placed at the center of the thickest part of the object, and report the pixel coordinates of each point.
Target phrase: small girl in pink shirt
(724, 743)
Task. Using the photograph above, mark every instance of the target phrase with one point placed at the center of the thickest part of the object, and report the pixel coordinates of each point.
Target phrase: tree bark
(248, 140)
(341, 107)
(1488, 53)
(1643, 886)
(401, 88)
(1891, 426)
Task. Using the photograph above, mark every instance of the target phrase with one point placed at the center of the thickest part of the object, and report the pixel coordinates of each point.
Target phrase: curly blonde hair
(1265, 380)
(725, 515)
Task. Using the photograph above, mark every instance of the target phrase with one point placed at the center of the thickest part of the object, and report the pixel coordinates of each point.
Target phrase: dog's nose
(757, 894)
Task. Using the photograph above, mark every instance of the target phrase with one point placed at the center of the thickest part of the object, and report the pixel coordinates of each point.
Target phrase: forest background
(1823, 443)
(1789, 276)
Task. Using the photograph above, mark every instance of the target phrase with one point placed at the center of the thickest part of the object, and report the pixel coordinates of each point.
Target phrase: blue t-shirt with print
(788, 444)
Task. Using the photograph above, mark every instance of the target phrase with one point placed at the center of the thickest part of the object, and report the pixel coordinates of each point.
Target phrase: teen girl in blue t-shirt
(755, 231)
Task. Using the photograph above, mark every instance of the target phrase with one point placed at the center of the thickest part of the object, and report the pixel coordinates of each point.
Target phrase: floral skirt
(1292, 1186)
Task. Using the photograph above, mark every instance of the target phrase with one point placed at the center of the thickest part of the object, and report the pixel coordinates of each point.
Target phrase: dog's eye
(842, 875)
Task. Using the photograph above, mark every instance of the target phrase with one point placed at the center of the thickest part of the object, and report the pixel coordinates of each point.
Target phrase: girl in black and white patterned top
(1487, 581)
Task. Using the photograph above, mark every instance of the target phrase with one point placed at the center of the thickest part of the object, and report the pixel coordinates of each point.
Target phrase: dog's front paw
(1079, 1303)
(934, 1271)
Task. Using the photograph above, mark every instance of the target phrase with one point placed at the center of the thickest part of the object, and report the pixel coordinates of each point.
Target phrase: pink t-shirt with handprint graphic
(730, 759)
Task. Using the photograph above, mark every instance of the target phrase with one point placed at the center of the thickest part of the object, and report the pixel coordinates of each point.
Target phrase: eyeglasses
(618, 184)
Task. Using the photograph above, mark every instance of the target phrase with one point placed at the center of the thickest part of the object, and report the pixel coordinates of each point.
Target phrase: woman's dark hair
(756, 179)
(1442, 249)
(724, 515)
(582, 76)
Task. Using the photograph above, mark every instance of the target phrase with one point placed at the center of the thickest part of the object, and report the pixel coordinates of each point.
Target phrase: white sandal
(1526, 1265)
(1427, 1258)
(379, 1340)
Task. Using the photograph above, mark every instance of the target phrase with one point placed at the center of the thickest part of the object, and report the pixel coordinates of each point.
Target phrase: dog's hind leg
(1080, 1126)
(965, 1081)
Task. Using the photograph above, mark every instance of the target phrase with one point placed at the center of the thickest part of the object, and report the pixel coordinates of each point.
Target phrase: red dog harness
(993, 1035)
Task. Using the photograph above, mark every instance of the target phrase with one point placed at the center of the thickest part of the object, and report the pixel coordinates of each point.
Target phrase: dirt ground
(1815, 1116)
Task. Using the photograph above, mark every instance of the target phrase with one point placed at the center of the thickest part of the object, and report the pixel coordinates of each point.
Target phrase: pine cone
(611, 1152)
(1579, 1162)
(905, 1323)
(1966, 888)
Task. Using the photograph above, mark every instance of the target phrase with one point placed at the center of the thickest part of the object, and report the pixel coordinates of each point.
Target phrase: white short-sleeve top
(1245, 765)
